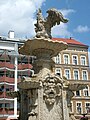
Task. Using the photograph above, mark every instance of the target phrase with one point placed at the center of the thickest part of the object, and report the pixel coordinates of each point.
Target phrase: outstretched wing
(55, 17)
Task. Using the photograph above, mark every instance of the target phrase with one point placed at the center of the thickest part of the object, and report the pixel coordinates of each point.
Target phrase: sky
(20, 16)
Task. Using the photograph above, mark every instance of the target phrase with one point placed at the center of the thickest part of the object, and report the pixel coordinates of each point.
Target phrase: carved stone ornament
(52, 89)
(43, 26)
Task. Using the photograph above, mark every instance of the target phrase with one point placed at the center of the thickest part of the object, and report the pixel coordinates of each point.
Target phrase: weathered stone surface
(40, 47)
(43, 26)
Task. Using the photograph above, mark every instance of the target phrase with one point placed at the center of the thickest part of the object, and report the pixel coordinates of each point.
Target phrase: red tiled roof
(69, 41)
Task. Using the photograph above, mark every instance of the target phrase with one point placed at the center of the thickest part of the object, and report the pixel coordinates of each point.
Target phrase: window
(7, 105)
(87, 107)
(4, 105)
(1, 105)
(85, 91)
(76, 75)
(78, 93)
(12, 105)
(2, 88)
(58, 71)
(66, 59)
(83, 60)
(58, 59)
(75, 60)
(67, 73)
(7, 89)
(84, 75)
(78, 109)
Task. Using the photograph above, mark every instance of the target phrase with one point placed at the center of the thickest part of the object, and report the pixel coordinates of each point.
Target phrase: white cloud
(61, 30)
(81, 29)
(66, 12)
(18, 15)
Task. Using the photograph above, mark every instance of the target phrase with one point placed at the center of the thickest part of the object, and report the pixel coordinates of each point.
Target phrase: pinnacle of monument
(42, 42)
(44, 25)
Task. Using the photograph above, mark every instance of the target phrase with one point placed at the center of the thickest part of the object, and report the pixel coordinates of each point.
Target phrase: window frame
(68, 62)
(79, 93)
(77, 106)
(59, 69)
(58, 59)
(85, 107)
(86, 91)
(86, 74)
(74, 74)
(69, 73)
(81, 60)
(73, 60)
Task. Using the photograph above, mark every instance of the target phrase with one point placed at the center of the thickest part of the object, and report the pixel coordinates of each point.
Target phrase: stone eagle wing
(55, 17)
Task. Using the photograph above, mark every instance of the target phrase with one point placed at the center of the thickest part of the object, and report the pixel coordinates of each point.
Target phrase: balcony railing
(6, 79)
(24, 66)
(4, 95)
(6, 111)
(12, 66)
(7, 64)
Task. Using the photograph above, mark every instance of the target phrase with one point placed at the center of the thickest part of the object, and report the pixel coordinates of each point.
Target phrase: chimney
(11, 34)
(71, 38)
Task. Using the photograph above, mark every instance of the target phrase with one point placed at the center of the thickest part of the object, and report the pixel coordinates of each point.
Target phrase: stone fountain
(45, 96)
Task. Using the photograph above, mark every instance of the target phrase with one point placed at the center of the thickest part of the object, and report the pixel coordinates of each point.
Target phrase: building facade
(73, 63)
(12, 68)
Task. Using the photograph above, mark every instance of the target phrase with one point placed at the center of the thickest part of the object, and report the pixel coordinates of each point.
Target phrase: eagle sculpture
(44, 25)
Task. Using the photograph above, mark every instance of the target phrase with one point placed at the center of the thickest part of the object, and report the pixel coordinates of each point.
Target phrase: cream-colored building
(73, 63)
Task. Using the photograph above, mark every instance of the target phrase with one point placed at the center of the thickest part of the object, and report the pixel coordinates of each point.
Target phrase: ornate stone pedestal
(41, 95)
(45, 96)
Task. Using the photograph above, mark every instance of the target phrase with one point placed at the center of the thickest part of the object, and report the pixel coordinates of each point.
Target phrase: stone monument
(45, 96)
